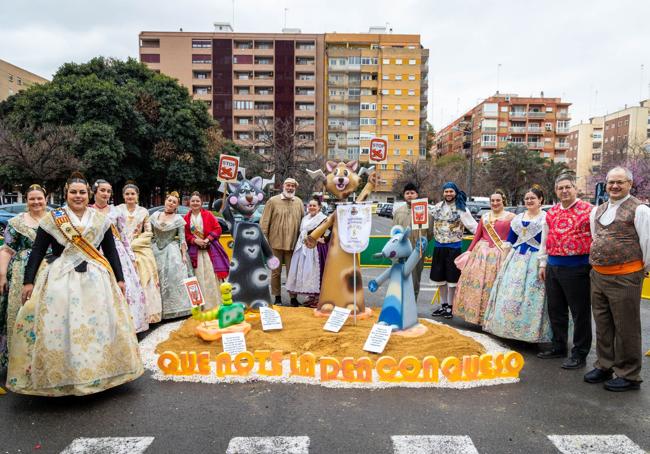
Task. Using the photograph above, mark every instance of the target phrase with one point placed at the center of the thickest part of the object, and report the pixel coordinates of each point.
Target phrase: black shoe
(448, 313)
(598, 375)
(294, 302)
(551, 354)
(441, 311)
(621, 384)
(573, 363)
(278, 301)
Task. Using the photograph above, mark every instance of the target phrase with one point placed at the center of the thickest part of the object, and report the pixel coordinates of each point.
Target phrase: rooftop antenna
(285, 17)
(498, 75)
(641, 83)
(233, 14)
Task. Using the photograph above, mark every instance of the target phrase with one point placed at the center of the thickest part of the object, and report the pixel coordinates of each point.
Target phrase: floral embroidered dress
(483, 264)
(304, 273)
(166, 245)
(75, 335)
(19, 238)
(134, 292)
(138, 234)
(517, 308)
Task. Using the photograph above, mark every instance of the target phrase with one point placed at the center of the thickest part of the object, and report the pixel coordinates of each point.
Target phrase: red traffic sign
(228, 167)
(378, 150)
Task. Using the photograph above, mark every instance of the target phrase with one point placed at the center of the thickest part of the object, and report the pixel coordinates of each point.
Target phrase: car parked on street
(386, 210)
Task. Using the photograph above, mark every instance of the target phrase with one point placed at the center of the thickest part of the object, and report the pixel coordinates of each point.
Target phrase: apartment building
(540, 123)
(377, 86)
(255, 84)
(14, 79)
(609, 136)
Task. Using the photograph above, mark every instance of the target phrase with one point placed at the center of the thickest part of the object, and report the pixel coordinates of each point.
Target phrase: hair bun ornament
(37, 187)
(536, 186)
(76, 175)
(174, 194)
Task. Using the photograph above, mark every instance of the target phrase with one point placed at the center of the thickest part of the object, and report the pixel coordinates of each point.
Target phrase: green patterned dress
(19, 238)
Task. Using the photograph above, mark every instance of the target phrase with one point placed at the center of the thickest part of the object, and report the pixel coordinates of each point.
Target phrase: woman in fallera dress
(517, 308)
(20, 234)
(209, 260)
(74, 334)
(170, 249)
(138, 233)
(487, 252)
(103, 191)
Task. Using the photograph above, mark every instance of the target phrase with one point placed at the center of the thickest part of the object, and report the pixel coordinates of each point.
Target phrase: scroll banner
(354, 222)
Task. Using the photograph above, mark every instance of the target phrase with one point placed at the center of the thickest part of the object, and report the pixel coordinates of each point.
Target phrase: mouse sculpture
(252, 256)
(399, 310)
(337, 286)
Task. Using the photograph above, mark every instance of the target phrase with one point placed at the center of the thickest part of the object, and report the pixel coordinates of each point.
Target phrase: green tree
(130, 122)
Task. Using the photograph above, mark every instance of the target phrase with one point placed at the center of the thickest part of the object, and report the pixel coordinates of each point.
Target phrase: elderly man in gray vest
(620, 256)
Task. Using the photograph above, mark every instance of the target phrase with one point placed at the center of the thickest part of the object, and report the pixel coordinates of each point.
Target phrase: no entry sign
(228, 166)
(378, 150)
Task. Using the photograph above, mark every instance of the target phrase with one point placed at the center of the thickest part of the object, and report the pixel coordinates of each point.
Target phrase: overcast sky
(588, 52)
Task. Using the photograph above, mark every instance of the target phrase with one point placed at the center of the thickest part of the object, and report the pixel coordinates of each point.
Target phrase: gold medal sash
(63, 223)
(498, 242)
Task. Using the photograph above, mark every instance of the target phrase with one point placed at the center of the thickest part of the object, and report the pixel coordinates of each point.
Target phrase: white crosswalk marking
(268, 445)
(108, 445)
(433, 444)
(595, 444)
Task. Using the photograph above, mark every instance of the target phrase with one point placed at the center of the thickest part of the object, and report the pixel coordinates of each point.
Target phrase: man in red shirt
(564, 267)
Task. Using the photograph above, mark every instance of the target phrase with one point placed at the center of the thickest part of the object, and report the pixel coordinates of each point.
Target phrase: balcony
(517, 114)
(535, 129)
(563, 131)
(488, 144)
(563, 115)
(536, 145)
(561, 145)
(532, 114)
(517, 129)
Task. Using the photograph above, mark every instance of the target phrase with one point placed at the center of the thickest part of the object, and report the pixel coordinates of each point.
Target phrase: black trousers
(569, 287)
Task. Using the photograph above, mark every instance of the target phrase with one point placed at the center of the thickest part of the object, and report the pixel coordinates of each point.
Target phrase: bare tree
(288, 151)
(40, 155)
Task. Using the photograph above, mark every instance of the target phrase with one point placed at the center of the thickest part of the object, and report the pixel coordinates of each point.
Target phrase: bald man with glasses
(620, 257)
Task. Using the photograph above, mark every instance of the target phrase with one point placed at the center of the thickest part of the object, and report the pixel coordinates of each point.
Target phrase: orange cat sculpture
(337, 286)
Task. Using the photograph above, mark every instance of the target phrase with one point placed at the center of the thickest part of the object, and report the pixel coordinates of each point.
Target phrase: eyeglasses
(617, 182)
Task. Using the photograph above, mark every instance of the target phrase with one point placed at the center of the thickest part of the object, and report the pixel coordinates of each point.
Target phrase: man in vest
(450, 218)
(564, 267)
(402, 216)
(620, 255)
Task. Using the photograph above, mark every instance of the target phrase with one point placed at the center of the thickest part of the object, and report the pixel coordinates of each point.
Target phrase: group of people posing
(536, 275)
(69, 313)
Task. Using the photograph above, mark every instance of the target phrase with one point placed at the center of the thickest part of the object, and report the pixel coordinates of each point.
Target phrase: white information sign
(378, 338)
(337, 319)
(270, 319)
(233, 343)
(354, 222)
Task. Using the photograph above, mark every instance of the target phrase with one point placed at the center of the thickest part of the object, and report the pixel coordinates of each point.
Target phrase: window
(332, 61)
(243, 121)
(383, 166)
(412, 62)
(384, 122)
(242, 59)
(411, 107)
(366, 76)
(398, 92)
(411, 92)
(198, 43)
(490, 109)
(385, 77)
(398, 122)
(19, 81)
(398, 107)
(396, 152)
(398, 77)
(367, 121)
(548, 126)
(150, 43)
(384, 107)
(398, 167)
(368, 106)
(368, 61)
(150, 58)
(354, 60)
(201, 59)
(396, 137)
(411, 123)
(409, 137)
(398, 61)
(409, 152)
(411, 76)
(11, 78)
(386, 61)
(384, 92)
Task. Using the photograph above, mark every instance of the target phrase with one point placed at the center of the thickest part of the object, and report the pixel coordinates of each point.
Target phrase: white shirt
(641, 224)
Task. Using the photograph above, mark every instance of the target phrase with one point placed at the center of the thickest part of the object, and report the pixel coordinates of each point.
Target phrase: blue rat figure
(399, 309)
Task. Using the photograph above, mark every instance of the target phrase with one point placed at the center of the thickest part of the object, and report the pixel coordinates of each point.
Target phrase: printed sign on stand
(233, 343)
(354, 222)
(337, 319)
(194, 292)
(378, 150)
(270, 319)
(378, 338)
(420, 214)
(228, 167)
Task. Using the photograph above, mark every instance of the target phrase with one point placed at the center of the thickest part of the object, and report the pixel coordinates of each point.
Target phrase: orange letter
(348, 369)
(486, 362)
(514, 362)
(451, 368)
(203, 362)
(409, 368)
(223, 364)
(386, 367)
(430, 366)
(244, 363)
(188, 362)
(170, 367)
(470, 367)
(364, 369)
(327, 362)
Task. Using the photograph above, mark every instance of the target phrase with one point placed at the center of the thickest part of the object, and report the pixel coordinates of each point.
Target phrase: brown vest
(618, 242)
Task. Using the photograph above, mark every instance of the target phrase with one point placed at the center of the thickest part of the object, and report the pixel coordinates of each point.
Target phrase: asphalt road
(184, 417)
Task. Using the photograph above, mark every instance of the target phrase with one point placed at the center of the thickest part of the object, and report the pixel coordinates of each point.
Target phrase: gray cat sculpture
(252, 257)
(399, 310)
